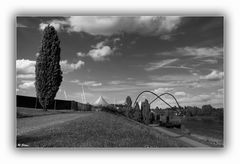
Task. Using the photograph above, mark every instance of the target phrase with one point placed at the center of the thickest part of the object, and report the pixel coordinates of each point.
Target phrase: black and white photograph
(134, 81)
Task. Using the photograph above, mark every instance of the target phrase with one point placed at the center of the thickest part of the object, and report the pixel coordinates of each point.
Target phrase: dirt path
(25, 125)
(180, 137)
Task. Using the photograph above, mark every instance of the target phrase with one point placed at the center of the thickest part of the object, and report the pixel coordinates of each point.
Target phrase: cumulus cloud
(26, 68)
(26, 84)
(57, 24)
(108, 25)
(70, 67)
(100, 52)
(157, 65)
(213, 76)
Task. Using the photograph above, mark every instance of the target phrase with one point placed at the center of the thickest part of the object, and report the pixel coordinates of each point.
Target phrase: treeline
(206, 110)
(147, 115)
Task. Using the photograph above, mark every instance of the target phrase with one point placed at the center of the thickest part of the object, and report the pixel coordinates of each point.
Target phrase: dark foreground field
(206, 126)
(99, 129)
(207, 130)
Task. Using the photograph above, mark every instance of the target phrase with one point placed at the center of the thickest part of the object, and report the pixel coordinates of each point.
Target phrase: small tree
(48, 70)
(146, 112)
(137, 115)
(128, 103)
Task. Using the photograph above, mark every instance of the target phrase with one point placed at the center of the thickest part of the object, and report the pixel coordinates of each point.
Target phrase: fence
(32, 102)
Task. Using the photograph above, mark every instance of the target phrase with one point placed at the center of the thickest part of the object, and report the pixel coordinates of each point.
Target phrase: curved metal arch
(158, 97)
(166, 94)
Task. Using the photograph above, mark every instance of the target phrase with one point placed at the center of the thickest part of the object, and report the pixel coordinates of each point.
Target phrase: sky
(116, 57)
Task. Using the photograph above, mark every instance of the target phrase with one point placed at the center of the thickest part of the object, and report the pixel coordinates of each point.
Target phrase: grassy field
(98, 130)
(206, 130)
(30, 112)
(206, 126)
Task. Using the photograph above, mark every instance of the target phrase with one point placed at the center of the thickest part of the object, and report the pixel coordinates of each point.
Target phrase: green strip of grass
(98, 130)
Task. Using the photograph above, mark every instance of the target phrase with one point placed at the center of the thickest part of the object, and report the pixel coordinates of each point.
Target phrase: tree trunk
(45, 108)
(55, 104)
(36, 103)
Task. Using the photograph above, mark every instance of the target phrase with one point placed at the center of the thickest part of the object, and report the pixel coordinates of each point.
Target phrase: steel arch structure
(158, 97)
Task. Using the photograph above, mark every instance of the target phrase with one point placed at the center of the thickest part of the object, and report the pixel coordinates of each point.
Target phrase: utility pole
(114, 101)
(65, 95)
(83, 93)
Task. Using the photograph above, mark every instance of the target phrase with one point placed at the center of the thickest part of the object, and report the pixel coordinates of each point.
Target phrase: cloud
(180, 94)
(74, 81)
(157, 65)
(26, 76)
(211, 61)
(108, 25)
(213, 76)
(26, 84)
(196, 52)
(80, 54)
(87, 83)
(92, 83)
(157, 84)
(21, 25)
(166, 37)
(201, 52)
(118, 88)
(70, 67)
(100, 52)
(162, 90)
(195, 100)
(26, 68)
(57, 24)
(116, 82)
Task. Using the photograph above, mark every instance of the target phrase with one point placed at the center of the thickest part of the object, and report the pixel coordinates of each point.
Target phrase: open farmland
(98, 130)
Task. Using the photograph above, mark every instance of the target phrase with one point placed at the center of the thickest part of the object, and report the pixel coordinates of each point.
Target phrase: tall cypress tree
(48, 70)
